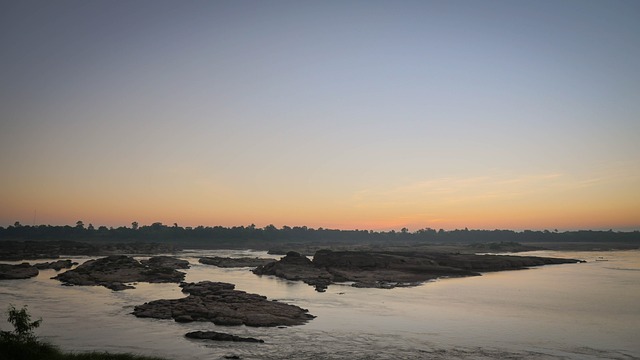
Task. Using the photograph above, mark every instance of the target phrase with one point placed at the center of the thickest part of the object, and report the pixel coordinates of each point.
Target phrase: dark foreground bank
(23, 344)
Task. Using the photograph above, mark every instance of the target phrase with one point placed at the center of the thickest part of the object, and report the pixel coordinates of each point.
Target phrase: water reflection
(576, 311)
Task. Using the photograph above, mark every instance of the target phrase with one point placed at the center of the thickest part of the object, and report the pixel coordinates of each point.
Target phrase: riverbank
(29, 250)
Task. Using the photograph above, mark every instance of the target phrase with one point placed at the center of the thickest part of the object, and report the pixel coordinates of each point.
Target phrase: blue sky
(357, 114)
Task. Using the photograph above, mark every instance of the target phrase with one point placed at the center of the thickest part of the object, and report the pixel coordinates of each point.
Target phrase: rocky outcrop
(20, 271)
(165, 262)
(298, 268)
(226, 262)
(56, 265)
(221, 304)
(487, 263)
(25, 270)
(116, 270)
(392, 269)
(218, 336)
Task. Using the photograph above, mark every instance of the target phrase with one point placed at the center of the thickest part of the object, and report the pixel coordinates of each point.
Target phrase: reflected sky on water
(576, 311)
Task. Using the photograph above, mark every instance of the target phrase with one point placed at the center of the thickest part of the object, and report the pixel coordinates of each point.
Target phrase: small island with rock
(385, 269)
(26, 270)
(19, 271)
(218, 336)
(115, 271)
(221, 304)
(227, 262)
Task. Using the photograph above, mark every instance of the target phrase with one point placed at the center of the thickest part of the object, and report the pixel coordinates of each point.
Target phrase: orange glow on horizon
(536, 202)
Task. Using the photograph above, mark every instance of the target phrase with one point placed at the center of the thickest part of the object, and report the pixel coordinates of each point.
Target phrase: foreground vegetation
(23, 344)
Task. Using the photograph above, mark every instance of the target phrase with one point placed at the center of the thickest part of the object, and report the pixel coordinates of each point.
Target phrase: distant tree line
(201, 235)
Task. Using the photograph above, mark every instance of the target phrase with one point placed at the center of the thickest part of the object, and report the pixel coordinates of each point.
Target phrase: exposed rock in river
(297, 267)
(25, 270)
(114, 271)
(219, 303)
(391, 269)
(20, 271)
(226, 262)
(218, 336)
(166, 262)
(56, 265)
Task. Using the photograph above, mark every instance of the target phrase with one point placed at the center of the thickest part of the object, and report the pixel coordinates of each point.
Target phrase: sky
(336, 114)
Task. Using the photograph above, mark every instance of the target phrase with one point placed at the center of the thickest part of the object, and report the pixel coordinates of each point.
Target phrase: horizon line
(282, 227)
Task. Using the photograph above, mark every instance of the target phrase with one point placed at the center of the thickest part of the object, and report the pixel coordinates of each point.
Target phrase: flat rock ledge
(19, 271)
(56, 265)
(226, 262)
(26, 270)
(218, 336)
(297, 267)
(114, 271)
(392, 269)
(219, 303)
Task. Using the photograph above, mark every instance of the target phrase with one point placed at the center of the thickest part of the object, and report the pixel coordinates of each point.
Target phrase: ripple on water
(576, 311)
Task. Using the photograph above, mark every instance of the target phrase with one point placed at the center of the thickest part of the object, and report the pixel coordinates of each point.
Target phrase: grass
(37, 350)
(107, 356)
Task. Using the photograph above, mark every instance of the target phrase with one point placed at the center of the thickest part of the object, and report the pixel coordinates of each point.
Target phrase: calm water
(573, 311)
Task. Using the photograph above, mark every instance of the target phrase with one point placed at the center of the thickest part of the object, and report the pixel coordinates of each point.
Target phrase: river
(572, 311)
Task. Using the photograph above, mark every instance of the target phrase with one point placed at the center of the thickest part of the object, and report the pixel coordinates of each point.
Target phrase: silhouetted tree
(22, 325)
(241, 235)
(157, 226)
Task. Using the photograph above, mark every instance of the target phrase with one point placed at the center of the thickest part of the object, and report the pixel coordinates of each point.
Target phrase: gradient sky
(336, 114)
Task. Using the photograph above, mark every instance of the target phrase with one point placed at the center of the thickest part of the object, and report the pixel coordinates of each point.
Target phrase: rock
(166, 262)
(226, 262)
(56, 265)
(113, 271)
(227, 321)
(487, 263)
(20, 271)
(298, 268)
(218, 336)
(387, 270)
(219, 303)
(117, 286)
(183, 318)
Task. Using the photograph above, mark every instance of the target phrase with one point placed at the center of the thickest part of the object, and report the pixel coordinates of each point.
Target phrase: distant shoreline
(16, 250)
(270, 237)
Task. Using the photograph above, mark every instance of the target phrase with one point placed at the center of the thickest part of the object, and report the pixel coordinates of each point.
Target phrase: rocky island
(227, 262)
(383, 269)
(218, 336)
(19, 271)
(114, 271)
(26, 270)
(221, 304)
